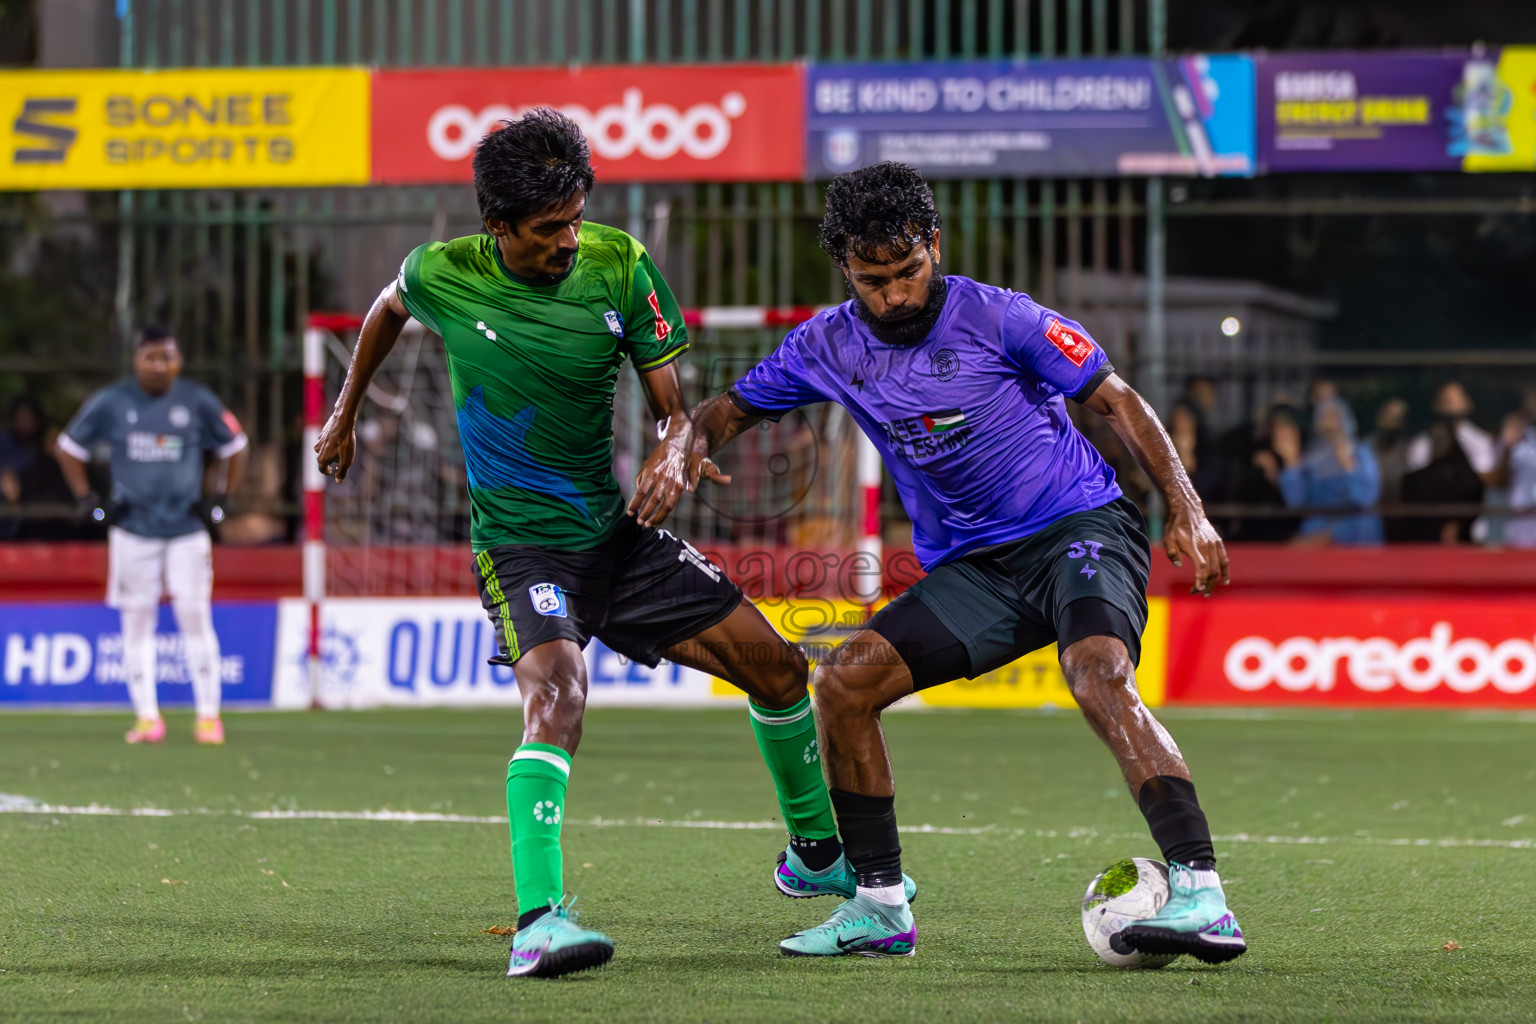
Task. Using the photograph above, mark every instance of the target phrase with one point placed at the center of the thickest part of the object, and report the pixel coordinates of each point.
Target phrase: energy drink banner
(205, 128)
(1192, 116)
(1397, 112)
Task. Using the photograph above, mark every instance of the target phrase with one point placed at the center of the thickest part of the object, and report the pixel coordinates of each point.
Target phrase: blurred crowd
(1453, 482)
(1302, 472)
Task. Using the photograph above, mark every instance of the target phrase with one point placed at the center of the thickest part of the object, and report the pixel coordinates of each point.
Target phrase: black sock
(868, 825)
(524, 920)
(1178, 824)
(818, 854)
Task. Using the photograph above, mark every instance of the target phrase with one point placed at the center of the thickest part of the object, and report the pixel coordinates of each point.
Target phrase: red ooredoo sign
(1450, 652)
(725, 122)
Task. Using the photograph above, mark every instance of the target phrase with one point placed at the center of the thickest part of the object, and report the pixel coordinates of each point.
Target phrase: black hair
(151, 333)
(878, 214)
(531, 164)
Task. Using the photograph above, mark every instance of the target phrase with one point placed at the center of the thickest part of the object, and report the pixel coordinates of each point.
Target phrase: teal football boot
(860, 926)
(794, 879)
(554, 945)
(1195, 920)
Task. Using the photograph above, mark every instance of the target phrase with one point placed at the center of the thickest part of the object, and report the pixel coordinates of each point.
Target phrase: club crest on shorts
(615, 323)
(548, 599)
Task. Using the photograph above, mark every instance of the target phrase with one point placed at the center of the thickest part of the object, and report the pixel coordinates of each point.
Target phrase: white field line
(11, 804)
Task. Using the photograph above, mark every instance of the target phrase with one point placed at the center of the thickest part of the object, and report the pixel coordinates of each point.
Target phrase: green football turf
(216, 915)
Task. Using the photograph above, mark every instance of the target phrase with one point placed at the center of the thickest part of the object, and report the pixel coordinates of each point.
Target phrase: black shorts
(1084, 575)
(640, 592)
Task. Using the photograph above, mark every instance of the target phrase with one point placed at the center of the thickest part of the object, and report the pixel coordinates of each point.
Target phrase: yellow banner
(1032, 681)
(208, 128)
(1506, 104)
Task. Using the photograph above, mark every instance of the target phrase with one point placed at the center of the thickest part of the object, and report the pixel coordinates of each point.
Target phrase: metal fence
(236, 272)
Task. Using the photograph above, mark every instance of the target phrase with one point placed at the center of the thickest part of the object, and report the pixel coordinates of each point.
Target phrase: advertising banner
(1386, 652)
(206, 128)
(723, 122)
(1061, 118)
(1397, 112)
(422, 652)
(73, 654)
(433, 651)
(1032, 681)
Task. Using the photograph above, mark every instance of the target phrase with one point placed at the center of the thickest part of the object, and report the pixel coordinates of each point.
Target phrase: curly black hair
(531, 164)
(878, 214)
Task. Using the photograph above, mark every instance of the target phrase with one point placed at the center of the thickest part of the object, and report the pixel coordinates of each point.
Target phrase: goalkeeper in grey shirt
(158, 428)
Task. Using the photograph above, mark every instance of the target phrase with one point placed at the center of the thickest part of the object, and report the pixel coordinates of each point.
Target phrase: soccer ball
(1122, 894)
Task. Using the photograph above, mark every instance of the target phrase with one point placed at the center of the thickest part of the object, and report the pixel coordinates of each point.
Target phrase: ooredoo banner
(1388, 652)
(727, 122)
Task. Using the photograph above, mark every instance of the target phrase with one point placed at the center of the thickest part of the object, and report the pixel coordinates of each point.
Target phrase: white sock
(1204, 879)
(139, 659)
(890, 895)
(202, 646)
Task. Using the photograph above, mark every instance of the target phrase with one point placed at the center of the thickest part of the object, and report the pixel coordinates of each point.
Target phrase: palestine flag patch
(938, 422)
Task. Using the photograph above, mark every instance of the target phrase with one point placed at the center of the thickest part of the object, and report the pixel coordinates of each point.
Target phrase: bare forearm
(381, 329)
(717, 421)
(75, 475)
(1137, 426)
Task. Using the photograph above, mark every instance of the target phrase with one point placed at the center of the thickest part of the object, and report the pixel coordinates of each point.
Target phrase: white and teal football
(1122, 894)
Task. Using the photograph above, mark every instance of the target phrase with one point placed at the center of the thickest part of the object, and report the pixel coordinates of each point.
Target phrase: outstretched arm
(337, 446)
(1188, 533)
(682, 458)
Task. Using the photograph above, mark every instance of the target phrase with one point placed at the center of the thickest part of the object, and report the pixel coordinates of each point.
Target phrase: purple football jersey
(972, 422)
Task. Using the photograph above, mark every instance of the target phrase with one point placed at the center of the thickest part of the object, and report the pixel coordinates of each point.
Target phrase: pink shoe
(209, 731)
(147, 730)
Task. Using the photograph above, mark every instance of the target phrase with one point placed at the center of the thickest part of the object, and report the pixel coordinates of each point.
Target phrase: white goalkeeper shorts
(140, 570)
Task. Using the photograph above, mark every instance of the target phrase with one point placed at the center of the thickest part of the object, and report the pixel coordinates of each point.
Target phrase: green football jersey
(534, 367)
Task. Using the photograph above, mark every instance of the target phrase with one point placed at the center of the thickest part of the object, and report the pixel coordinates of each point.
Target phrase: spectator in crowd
(1257, 481)
(1453, 408)
(1336, 471)
(1517, 472)
(1390, 444)
(20, 448)
(1447, 478)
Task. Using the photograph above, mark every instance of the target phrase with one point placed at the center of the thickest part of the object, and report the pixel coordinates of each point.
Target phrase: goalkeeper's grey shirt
(155, 444)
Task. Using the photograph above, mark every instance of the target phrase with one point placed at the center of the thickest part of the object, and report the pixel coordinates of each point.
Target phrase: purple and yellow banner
(1397, 112)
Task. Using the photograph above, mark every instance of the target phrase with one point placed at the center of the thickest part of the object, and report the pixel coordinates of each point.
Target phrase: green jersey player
(538, 316)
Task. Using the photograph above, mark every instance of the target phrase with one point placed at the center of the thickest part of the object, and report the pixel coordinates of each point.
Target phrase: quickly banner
(434, 651)
(1397, 112)
(1381, 652)
(208, 128)
(73, 654)
(1054, 118)
(721, 122)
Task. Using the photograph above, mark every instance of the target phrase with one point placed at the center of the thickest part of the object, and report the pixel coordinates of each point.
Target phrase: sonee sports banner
(210, 128)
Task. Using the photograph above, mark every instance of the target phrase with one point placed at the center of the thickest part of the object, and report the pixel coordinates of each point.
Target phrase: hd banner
(1397, 112)
(72, 654)
(206, 128)
(1054, 118)
(724, 122)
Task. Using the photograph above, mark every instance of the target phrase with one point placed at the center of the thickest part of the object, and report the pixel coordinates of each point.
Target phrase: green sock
(787, 740)
(536, 781)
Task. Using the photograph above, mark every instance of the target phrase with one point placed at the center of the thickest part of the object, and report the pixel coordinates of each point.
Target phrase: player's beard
(909, 330)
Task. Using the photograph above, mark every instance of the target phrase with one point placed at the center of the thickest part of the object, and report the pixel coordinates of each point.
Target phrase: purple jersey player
(1026, 538)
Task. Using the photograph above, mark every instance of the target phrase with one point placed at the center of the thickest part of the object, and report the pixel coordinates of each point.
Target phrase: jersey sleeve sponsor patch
(662, 327)
(232, 423)
(1074, 345)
